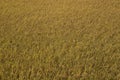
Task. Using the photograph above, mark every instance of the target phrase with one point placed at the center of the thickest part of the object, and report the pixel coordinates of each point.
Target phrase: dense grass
(59, 39)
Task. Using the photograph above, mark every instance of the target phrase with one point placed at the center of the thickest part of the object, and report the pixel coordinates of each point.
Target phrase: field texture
(59, 39)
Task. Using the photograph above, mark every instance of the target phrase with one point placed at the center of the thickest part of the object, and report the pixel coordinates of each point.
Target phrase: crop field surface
(59, 39)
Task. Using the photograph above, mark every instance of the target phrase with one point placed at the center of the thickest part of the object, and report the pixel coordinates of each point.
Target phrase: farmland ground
(59, 39)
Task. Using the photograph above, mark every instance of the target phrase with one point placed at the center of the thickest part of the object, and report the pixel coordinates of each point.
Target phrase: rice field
(59, 39)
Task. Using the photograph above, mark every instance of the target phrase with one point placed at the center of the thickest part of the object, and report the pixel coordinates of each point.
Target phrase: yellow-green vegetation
(59, 39)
